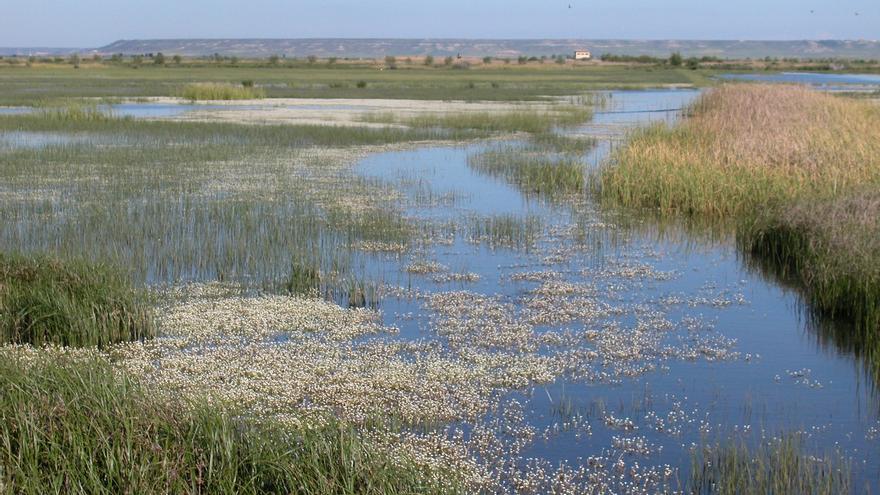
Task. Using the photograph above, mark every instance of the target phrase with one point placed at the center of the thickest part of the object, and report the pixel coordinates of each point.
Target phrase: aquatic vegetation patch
(534, 173)
(777, 465)
(71, 420)
(45, 300)
(266, 316)
(220, 91)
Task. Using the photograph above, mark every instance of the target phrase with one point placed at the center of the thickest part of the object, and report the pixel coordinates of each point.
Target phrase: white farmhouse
(582, 55)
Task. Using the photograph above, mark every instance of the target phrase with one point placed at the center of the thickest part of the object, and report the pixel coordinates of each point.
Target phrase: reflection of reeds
(776, 466)
(831, 247)
(45, 301)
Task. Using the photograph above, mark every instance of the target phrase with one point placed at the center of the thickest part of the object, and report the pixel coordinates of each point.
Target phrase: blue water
(833, 81)
(783, 378)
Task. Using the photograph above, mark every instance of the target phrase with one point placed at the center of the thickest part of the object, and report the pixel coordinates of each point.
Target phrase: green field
(20, 85)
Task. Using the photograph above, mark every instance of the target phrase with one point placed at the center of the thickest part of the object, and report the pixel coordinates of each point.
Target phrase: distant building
(582, 55)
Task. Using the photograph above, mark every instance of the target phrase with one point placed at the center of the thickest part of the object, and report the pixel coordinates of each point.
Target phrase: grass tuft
(220, 91)
(47, 301)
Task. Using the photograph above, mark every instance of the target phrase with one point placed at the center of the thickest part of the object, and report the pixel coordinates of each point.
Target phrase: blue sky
(90, 23)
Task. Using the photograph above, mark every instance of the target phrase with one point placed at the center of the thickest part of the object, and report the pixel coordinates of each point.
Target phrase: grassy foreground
(46, 301)
(69, 424)
(790, 166)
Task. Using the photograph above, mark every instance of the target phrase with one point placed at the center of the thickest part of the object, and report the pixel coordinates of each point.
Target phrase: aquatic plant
(779, 465)
(73, 303)
(532, 172)
(220, 91)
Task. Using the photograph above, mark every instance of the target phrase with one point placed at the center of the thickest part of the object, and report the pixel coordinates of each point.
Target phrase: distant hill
(372, 48)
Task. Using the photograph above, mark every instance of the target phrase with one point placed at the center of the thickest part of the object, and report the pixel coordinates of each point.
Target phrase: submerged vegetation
(779, 465)
(46, 301)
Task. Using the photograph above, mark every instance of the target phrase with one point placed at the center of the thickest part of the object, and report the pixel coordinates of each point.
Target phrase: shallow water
(823, 81)
(736, 356)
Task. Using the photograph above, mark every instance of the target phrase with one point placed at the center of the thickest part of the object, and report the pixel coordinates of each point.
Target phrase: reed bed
(528, 121)
(745, 147)
(73, 424)
(787, 164)
(830, 247)
(779, 465)
(534, 172)
(220, 91)
(46, 301)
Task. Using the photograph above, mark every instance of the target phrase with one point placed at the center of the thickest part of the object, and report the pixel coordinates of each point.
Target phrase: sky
(94, 23)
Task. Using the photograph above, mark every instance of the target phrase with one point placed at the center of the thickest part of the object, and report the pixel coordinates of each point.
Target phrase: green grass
(220, 91)
(46, 301)
(22, 85)
(73, 425)
(184, 201)
(533, 172)
(778, 466)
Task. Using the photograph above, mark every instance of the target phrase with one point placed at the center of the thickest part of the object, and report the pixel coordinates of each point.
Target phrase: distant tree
(429, 60)
(560, 59)
(116, 58)
(331, 60)
(675, 59)
(312, 59)
(74, 61)
(137, 60)
(217, 57)
(448, 60)
(487, 60)
(177, 59)
(693, 63)
(159, 59)
(96, 58)
(233, 60)
(273, 59)
(522, 60)
(31, 59)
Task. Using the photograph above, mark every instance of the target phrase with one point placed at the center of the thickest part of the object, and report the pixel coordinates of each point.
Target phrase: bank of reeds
(71, 424)
(48, 301)
(220, 91)
(778, 466)
(745, 147)
(831, 247)
(786, 163)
